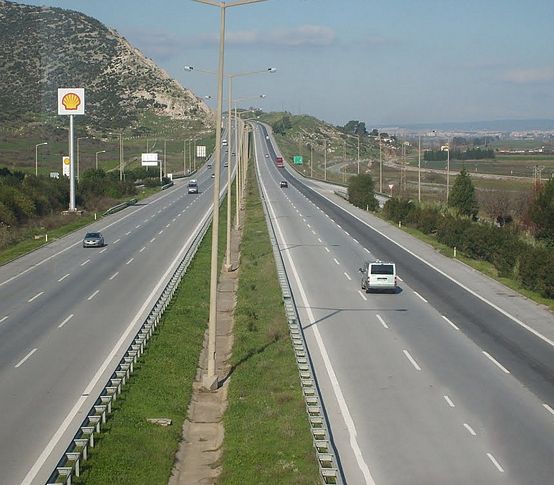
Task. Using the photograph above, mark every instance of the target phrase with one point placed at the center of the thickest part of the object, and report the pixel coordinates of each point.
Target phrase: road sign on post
(297, 160)
(66, 162)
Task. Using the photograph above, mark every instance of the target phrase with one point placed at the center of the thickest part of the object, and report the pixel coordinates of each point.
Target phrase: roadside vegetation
(267, 434)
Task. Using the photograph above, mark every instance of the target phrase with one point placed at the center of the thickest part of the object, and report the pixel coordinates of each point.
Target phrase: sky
(386, 63)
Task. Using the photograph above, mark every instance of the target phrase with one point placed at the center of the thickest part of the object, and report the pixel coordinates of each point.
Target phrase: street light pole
(448, 171)
(325, 159)
(79, 156)
(380, 166)
(419, 169)
(101, 151)
(36, 156)
(358, 154)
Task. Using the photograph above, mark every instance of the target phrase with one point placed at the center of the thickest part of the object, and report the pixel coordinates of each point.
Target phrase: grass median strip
(131, 450)
(267, 435)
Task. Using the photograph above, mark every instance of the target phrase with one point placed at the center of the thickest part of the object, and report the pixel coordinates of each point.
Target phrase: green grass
(130, 450)
(267, 436)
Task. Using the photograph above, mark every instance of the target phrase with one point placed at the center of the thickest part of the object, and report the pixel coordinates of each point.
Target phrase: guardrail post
(74, 456)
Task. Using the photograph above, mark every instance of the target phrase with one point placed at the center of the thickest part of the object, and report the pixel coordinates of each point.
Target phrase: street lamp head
(189, 68)
(271, 69)
(263, 95)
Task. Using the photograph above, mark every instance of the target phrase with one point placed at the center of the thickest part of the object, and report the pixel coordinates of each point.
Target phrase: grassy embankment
(267, 438)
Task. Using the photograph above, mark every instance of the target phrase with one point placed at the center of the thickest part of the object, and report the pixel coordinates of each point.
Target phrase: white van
(378, 275)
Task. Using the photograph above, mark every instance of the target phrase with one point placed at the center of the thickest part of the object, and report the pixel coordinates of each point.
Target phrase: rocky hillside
(44, 48)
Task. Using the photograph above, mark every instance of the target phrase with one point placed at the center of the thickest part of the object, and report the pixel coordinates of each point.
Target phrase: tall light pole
(448, 171)
(358, 154)
(36, 156)
(325, 159)
(121, 157)
(380, 166)
(97, 153)
(419, 169)
(210, 379)
(78, 155)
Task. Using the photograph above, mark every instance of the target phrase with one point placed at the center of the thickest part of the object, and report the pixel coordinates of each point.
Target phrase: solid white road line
(498, 364)
(495, 463)
(450, 322)
(65, 321)
(64, 277)
(85, 262)
(22, 361)
(336, 261)
(346, 274)
(417, 294)
(362, 295)
(449, 401)
(411, 359)
(3, 319)
(470, 429)
(324, 355)
(546, 406)
(93, 295)
(35, 297)
(130, 261)
(382, 321)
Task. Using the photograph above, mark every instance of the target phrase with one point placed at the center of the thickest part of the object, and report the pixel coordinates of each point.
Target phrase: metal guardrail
(77, 452)
(319, 426)
(118, 207)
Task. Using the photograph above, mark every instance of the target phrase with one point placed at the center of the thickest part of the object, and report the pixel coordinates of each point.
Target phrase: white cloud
(530, 76)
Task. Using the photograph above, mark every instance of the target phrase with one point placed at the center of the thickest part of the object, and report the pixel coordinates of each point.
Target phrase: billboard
(149, 159)
(200, 151)
(71, 101)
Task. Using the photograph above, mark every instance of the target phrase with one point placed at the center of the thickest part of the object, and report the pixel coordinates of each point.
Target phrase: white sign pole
(71, 168)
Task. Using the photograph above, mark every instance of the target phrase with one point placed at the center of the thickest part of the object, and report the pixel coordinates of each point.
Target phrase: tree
(354, 127)
(361, 192)
(541, 212)
(462, 196)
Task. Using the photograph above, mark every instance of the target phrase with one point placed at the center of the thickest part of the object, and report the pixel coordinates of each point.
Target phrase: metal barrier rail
(319, 426)
(118, 207)
(77, 451)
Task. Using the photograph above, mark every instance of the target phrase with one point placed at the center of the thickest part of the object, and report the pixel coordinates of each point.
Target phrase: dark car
(93, 240)
(284, 184)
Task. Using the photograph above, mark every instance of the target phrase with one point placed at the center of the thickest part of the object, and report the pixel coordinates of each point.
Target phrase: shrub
(361, 192)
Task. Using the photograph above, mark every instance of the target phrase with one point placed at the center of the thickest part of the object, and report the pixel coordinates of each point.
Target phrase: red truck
(279, 162)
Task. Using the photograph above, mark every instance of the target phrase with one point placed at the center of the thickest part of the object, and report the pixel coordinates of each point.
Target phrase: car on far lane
(284, 184)
(267, 155)
(93, 240)
(213, 175)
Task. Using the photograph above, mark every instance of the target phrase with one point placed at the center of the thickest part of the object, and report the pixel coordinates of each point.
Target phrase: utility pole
(380, 166)
(419, 169)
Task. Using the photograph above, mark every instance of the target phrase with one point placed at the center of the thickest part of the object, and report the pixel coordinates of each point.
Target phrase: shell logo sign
(71, 101)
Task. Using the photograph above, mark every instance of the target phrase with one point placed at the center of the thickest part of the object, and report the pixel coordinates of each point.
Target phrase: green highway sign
(297, 159)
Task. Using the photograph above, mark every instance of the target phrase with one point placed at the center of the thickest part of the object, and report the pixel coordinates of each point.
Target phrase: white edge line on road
(470, 429)
(446, 275)
(30, 268)
(79, 403)
(546, 406)
(65, 321)
(35, 297)
(346, 274)
(411, 359)
(63, 277)
(22, 361)
(495, 362)
(324, 355)
(449, 401)
(382, 321)
(362, 295)
(450, 322)
(114, 275)
(495, 463)
(418, 295)
(93, 295)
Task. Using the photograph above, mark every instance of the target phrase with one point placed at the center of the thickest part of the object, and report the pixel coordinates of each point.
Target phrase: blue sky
(392, 62)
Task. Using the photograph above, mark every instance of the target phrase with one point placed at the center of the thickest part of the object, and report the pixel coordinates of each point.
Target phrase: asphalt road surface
(448, 381)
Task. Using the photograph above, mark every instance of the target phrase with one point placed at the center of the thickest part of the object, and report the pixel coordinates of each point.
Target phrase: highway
(68, 314)
(448, 381)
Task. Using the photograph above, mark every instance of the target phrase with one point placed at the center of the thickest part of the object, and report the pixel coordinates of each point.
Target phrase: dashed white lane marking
(495, 463)
(450, 322)
(161, 232)
(152, 240)
(167, 225)
(411, 359)
(449, 401)
(319, 239)
(366, 250)
(85, 262)
(339, 226)
(145, 220)
(65, 321)
(355, 240)
(116, 241)
(6, 317)
(399, 279)
(179, 215)
(418, 295)
(362, 295)
(308, 226)
(495, 362)
(174, 219)
(470, 429)
(382, 321)
(142, 249)
(114, 275)
(347, 275)
(347, 233)
(35, 297)
(160, 211)
(130, 261)
(103, 250)
(137, 226)
(63, 277)
(546, 406)
(327, 249)
(336, 261)
(313, 232)
(127, 233)
(93, 295)
(22, 361)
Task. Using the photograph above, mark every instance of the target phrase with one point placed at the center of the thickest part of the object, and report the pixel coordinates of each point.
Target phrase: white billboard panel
(201, 151)
(149, 159)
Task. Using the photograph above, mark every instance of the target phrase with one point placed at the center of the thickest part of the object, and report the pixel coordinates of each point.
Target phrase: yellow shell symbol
(71, 101)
